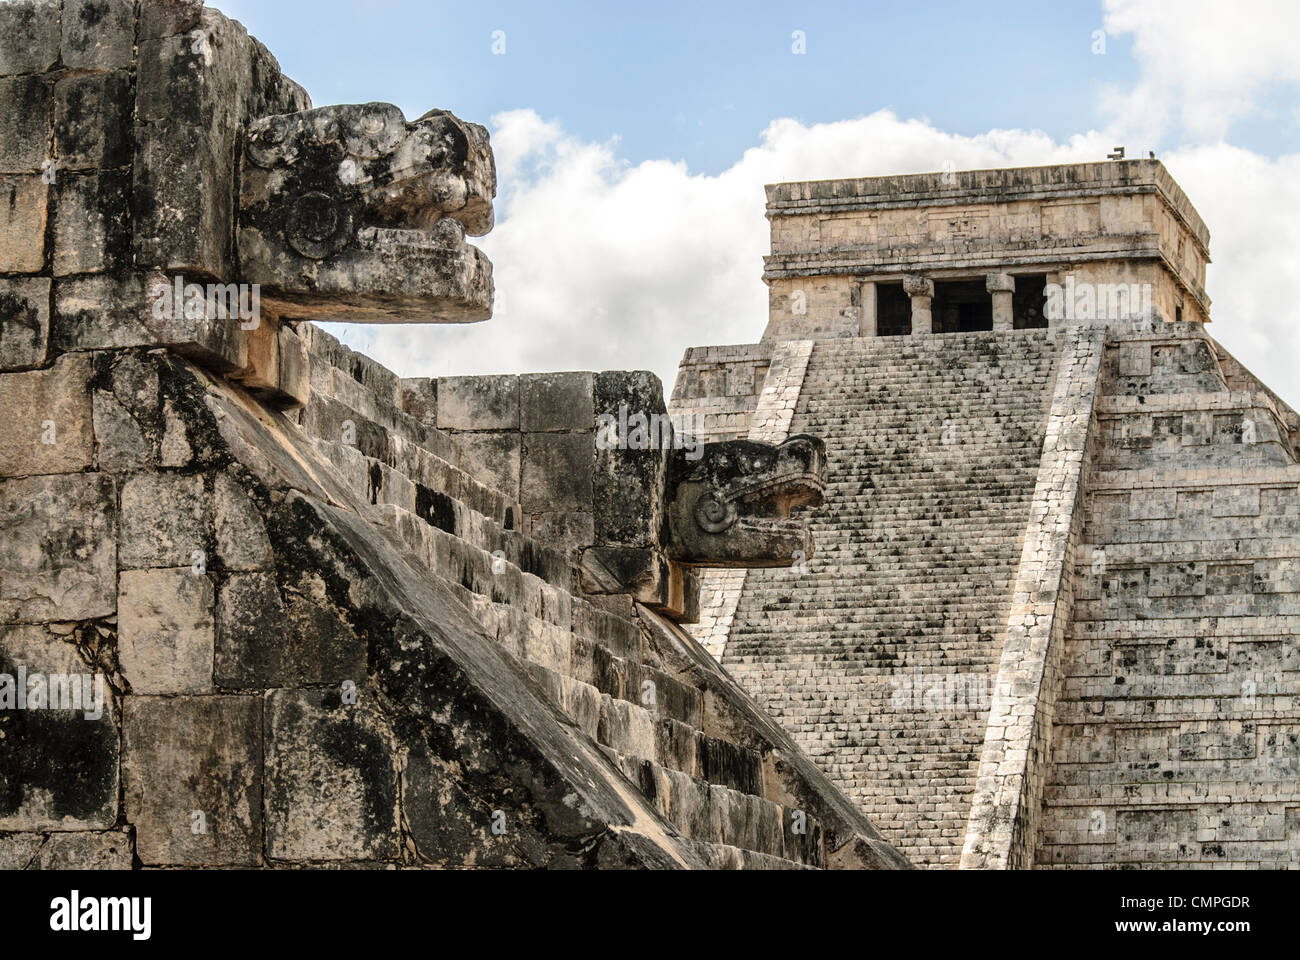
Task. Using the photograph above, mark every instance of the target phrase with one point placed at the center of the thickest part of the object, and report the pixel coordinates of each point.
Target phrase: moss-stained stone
(250, 650)
(164, 521)
(24, 321)
(58, 765)
(24, 206)
(110, 850)
(165, 630)
(92, 121)
(90, 234)
(47, 420)
(98, 34)
(24, 124)
(192, 768)
(331, 778)
(29, 36)
(241, 535)
(60, 555)
(18, 850)
(556, 401)
(556, 471)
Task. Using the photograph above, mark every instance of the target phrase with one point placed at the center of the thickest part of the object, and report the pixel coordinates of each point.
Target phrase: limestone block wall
(801, 308)
(539, 437)
(1175, 731)
(531, 436)
(718, 387)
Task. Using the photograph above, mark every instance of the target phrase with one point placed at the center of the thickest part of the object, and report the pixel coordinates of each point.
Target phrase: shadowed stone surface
(193, 779)
(58, 768)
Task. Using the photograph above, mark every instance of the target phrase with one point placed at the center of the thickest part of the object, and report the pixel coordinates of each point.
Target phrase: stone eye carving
(269, 141)
(375, 130)
(714, 515)
(318, 225)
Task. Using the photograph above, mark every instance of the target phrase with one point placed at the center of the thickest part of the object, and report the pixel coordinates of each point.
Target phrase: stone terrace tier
(1176, 734)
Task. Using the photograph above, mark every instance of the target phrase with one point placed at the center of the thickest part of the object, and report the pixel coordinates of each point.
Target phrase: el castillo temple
(984, 554)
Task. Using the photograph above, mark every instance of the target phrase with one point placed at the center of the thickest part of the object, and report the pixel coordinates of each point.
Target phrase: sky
(632, 144)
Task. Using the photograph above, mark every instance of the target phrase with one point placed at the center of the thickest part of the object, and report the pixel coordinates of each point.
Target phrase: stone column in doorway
(867, 309)
(921, 291)
(1001, 286)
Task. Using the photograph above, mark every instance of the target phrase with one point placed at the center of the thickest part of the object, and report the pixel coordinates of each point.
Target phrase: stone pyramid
(1051, 619)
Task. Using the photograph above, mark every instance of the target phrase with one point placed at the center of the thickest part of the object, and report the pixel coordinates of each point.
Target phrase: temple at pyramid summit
(984, 555)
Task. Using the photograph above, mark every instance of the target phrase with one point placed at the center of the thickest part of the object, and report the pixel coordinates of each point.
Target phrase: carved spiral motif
(713, 514)
(318, 225)
(269, 142)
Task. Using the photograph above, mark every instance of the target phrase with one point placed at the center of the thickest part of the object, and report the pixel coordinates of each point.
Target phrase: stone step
(384, 485)
(710, 813)
(632, 706)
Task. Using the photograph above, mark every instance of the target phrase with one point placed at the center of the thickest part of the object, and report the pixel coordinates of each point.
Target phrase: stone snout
(350, 212)
(732, 507)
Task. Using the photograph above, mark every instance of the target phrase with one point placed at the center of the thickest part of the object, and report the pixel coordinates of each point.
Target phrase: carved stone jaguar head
(349, 212)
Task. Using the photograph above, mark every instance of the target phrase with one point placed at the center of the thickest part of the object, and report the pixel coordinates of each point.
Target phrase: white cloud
(1203, 63)
(1252, 206)
(601, 264)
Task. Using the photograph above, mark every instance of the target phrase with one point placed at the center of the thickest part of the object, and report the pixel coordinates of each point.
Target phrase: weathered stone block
(556, 471)
(97, 313)
(24, 123)
(492, 459)
(450, 828)
(242, 543)
(60, 547)
(24, 205)
(48, 419)
(200, 78)
(331, 779)
(18, 850)
(165, 630)
(92, 121)
(478, 403)
(110, 850)
(127, 411)
(250, 649)
(24, 321)
(565, 529)
(103, 312)
(166, 18)
(90, 233)
(261, 370)
(98, 34)
(29, 36)
(164, 521)
(633, 470)
(294, 380)
(58, 768)
(183, 199)
(420, 399)
(556, 401)
(192, 768)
